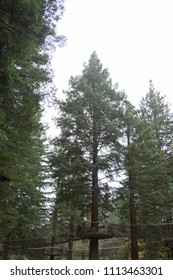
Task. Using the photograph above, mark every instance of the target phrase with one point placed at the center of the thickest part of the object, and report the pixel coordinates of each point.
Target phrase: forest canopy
(27, 36)
(103, 187)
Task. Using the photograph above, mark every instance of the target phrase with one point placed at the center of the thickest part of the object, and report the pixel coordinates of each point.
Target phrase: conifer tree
(157, 113)
(148, 184)
(27, 35)
(91, 117)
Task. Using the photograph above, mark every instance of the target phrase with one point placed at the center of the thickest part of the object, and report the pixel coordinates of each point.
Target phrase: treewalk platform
(103, 232)
(96, 234)
(162, 230)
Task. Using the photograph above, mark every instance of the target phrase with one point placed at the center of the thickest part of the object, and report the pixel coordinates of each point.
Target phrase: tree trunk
(94, 255)
(94, 244)
(133, 218)
(70, 243)
(54, 229)
(70, 250)
(133, 228)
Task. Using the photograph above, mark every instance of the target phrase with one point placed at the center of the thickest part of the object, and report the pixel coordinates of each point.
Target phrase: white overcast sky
(133, 39)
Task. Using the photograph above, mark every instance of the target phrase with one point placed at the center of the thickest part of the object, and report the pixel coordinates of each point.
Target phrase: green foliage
(157, 113)
(27, 33)
(147, 156)
(102, 134)
(89, 120)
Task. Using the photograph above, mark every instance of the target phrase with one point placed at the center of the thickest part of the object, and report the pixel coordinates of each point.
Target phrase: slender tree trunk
(94, 255)
(133, 218)
(94, 244)
(70, 243)
(133, 228)
(70, 250)
(54, 229)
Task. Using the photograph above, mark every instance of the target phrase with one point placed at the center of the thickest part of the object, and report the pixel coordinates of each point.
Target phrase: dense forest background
(103, 187)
